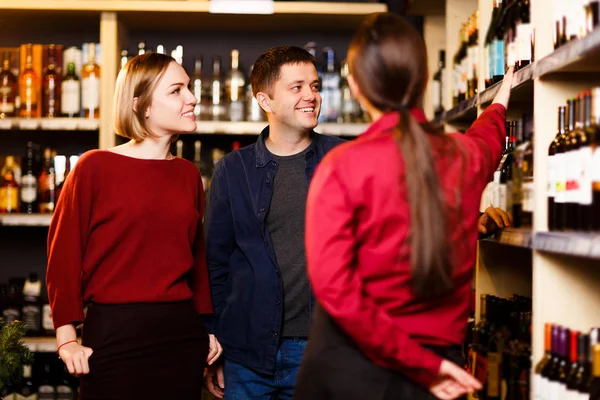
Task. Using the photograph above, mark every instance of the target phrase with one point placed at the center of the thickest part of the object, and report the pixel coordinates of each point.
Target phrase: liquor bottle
(71, 93)
(558, 390)
(28, 84)
(29, 187)
(575, 138)
(595, 127)
(14, 300)
(592, 15)
(573, 364)
(47, 323)
(552, 170)
(560, 21)
(527, 172)
(197, 89)
(8, 89)
(330, 89)
(141, 48)
(582, 376)
(51, 87)
(44, 375)
(498, 46)
(548, 371)
(254, 112)
(90, 85)
(217, 112)
(539, 380)
(32, 309)
(124, 57)
(524, 35)
(586, 155)
(61, 169)
(234, 87)
(487, 46)
(350, 112)
(27, 390)
(473, 56)
(47, 184)
(594, 385)
(9, 188)
(348, 102)
(510, 48)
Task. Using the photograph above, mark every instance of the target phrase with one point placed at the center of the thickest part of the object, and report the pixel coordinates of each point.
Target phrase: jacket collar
(264, 156)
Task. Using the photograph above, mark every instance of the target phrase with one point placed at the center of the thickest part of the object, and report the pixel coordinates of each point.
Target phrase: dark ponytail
(388, 62)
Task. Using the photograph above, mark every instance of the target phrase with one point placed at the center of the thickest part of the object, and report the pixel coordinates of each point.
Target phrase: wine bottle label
(561, 177)
(524, 33)
(29, 188)
(10, 315)
(5, 105)
(71, 97)
(498, 57)
(551, 191)
(470, 62)
(90, 93)
(573, 171)
(528, 196)
(31, 317)
(595, 165)
(47, 318)
(585, 175)
(9, 198)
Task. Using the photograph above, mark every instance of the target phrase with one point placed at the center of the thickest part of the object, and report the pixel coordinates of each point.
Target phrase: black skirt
(144, 351)
(333, 368)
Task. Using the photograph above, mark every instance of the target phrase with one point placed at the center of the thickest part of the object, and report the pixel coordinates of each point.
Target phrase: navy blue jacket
(245, 281)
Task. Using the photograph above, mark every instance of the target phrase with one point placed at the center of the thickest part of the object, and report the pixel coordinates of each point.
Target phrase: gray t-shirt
(285, 223)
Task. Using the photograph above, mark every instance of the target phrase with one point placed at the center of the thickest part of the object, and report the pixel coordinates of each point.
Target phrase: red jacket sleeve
(485, 139)
(330, 251)
(67, 240)
(200, 282)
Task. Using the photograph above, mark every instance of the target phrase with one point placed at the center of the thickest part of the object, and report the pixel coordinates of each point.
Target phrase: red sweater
(127, 230)
(358, 242)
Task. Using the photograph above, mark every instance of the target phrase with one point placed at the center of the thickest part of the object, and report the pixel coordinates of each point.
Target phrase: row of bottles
(25, 300)
(509, 40)
(500, 348)
(228, 97)
(512, 188)
(574, 166)
(45, 81)
(465, 67)
(35, 185)
(574, 20)
(47, 379)
(570, 367)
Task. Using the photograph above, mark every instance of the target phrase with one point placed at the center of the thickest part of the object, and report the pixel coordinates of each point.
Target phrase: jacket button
(274, 164)
(278, 302)
(268, 181)
(262, 210)
(274, 334)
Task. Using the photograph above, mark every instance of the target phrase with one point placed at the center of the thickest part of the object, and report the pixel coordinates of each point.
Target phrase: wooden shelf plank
(567, 243)
(41, 344)
(517, 237)
(49, 124)
(254, 128)
(581, 55)
(25, 219)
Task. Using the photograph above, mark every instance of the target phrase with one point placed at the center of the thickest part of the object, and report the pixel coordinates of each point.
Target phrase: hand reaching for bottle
(453, 382)
(503, 95)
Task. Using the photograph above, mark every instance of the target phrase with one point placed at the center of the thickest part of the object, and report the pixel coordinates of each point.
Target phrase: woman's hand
(453, 382)
(503, 95)
(75, 357)
(214, 349)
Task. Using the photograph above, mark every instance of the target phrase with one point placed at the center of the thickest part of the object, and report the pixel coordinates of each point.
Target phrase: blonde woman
(126, 240)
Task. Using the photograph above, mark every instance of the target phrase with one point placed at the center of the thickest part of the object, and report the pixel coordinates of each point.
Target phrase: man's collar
(264, 156)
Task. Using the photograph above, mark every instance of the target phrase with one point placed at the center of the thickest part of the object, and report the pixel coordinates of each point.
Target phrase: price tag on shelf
(241, 7)
(87, 124)
(29, 124)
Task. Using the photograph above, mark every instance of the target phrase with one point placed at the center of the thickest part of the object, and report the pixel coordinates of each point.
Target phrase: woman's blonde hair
(137, 79)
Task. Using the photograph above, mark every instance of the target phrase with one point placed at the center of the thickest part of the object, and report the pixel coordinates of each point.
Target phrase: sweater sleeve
(484, 141)
(330, 252)
(67, 241)
(200, 282)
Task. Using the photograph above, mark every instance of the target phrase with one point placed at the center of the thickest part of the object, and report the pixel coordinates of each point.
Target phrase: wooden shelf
(578, 56)
(41, 344)
(573, 244)
(25, 219)
(182, 15)
(517, 237)
(50, 124)
(254, 128)
(464, 112)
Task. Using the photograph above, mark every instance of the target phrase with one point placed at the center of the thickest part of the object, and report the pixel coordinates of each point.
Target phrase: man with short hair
(255, 234)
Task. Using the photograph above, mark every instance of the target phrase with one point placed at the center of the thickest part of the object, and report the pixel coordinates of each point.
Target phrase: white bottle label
(585, 175)
(90, 93)
(71, 97)
(436, 86)
(524, 32)
(28, 188)
(595, 175)
(561, 177)
(551, 177)
(528, 196)
(573, 172)
(47, 318)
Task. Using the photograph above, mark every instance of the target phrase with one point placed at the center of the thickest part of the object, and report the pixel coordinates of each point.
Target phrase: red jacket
(358, 242)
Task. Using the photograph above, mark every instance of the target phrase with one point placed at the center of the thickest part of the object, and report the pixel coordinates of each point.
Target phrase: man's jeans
(242, 383)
